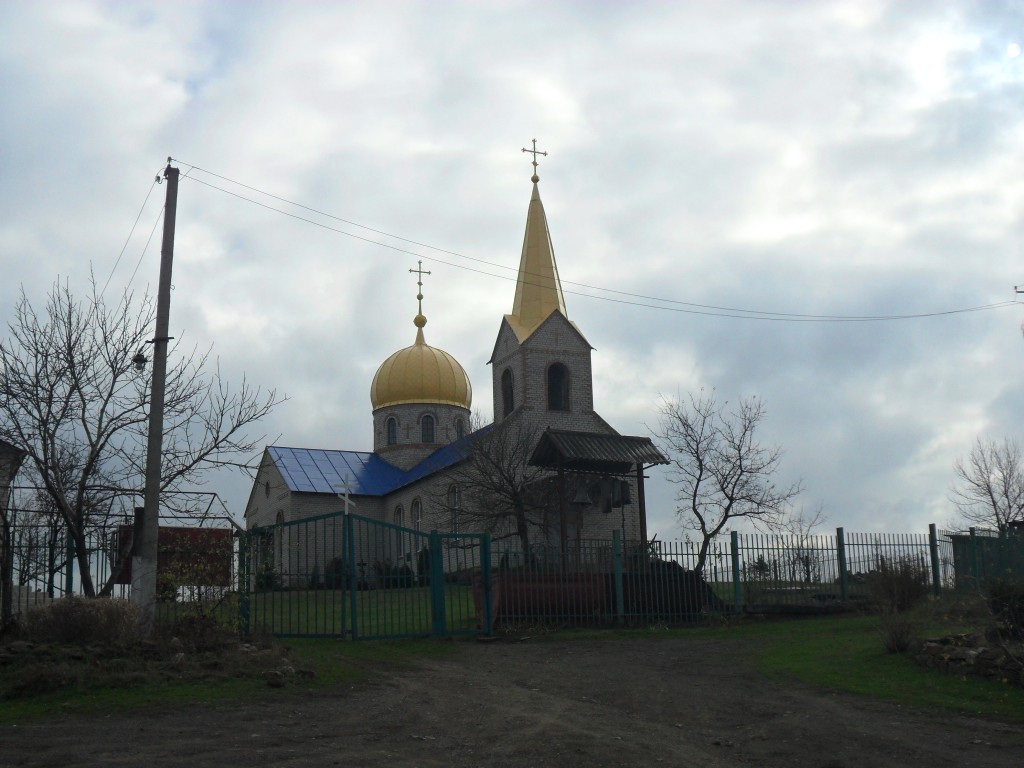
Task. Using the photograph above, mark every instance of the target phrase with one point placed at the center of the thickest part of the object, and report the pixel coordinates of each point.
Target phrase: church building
(589, 478)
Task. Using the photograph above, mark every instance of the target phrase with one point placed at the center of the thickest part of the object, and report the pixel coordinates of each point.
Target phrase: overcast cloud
(819, 158)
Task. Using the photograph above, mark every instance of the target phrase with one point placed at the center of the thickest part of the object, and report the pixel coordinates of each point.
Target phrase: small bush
(198, 631)
(1006, 601)
(899, 632)
(267, 578)
(398, 576)
(898, 584)
(336, 574)
(82, 621)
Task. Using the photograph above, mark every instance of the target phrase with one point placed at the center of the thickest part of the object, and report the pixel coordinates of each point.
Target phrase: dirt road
(672, 702)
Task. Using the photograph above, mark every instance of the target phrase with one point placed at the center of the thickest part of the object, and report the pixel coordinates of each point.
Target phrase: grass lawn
(117, 689)
(846, 654)
(405, 612)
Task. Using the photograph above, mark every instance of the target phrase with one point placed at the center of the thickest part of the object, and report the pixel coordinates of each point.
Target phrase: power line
(629, 299)
(128, 239)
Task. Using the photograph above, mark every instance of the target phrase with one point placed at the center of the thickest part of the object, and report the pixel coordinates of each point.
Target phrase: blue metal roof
(312, 470)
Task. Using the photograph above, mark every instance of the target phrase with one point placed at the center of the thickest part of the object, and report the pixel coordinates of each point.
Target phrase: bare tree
(989, 487)
(722, 470)
(499, 492)
(804, 561)
(72, 398)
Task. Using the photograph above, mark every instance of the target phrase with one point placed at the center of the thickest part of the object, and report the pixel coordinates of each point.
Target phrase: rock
(274, 678)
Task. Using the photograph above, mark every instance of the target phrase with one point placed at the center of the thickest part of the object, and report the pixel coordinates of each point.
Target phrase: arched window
(427, 429)
(391, 426)
(454, 507)
(508, 401)
(558, 387)
(417, 514)
(460, 430)
(400, 541)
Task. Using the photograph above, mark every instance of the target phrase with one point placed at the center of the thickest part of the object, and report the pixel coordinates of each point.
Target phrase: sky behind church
(720, 177)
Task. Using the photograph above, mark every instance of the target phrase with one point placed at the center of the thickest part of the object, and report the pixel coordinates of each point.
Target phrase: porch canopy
(594, 452)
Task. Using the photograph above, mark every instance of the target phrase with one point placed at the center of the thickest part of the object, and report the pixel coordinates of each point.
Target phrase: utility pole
(144, 554)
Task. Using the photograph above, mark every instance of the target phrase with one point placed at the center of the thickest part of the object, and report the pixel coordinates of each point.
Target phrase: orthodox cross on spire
(419, 282)
(535, 178)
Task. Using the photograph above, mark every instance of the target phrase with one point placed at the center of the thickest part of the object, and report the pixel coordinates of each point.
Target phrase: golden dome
(421, 374)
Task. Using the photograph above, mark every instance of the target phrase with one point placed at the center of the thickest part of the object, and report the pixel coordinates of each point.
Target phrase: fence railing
(338, 575)
(197, 562)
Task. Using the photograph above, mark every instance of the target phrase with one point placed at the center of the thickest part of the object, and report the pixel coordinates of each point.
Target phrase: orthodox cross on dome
(535, 152)
(419, 282)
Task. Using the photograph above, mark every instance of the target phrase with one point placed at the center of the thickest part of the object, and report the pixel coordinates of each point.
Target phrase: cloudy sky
(843, 159)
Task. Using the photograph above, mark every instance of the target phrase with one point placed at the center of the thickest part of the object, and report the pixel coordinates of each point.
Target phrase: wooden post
(641, 502)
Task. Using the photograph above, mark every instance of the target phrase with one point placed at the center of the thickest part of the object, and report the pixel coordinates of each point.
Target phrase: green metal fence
(352, 576)
(348, 575)
(980, 555)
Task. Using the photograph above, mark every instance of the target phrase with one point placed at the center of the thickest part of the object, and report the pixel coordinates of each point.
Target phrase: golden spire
(538, 289)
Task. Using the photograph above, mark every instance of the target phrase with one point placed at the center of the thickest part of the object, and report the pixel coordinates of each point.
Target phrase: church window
(400, 541)
(427, 429)
(454, 507)
(558, 387)
(460, 430)
(417, 513)
(391, 426)
(507, 399)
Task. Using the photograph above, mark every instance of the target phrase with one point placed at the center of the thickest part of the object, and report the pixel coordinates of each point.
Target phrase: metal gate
(344, 575)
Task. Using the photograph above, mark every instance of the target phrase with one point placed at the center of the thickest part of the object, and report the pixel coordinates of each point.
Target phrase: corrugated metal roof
(594, 451)
(313, 470)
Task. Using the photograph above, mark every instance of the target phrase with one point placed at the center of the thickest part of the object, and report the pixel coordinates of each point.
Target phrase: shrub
(166, 588)
(267, 578)
(199, 631)
(399, 576)
(899, 632)
(898, 584)
(82, 621)
(336, 574)
(1006, 601)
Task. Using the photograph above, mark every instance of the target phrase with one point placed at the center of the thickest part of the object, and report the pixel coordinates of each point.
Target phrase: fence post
(974, 557)
(620, 608)
(436, 584)
(353, 580)
(737, 591)
(933, 545)
(485, 584)
(844, 581)
(243, 584)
